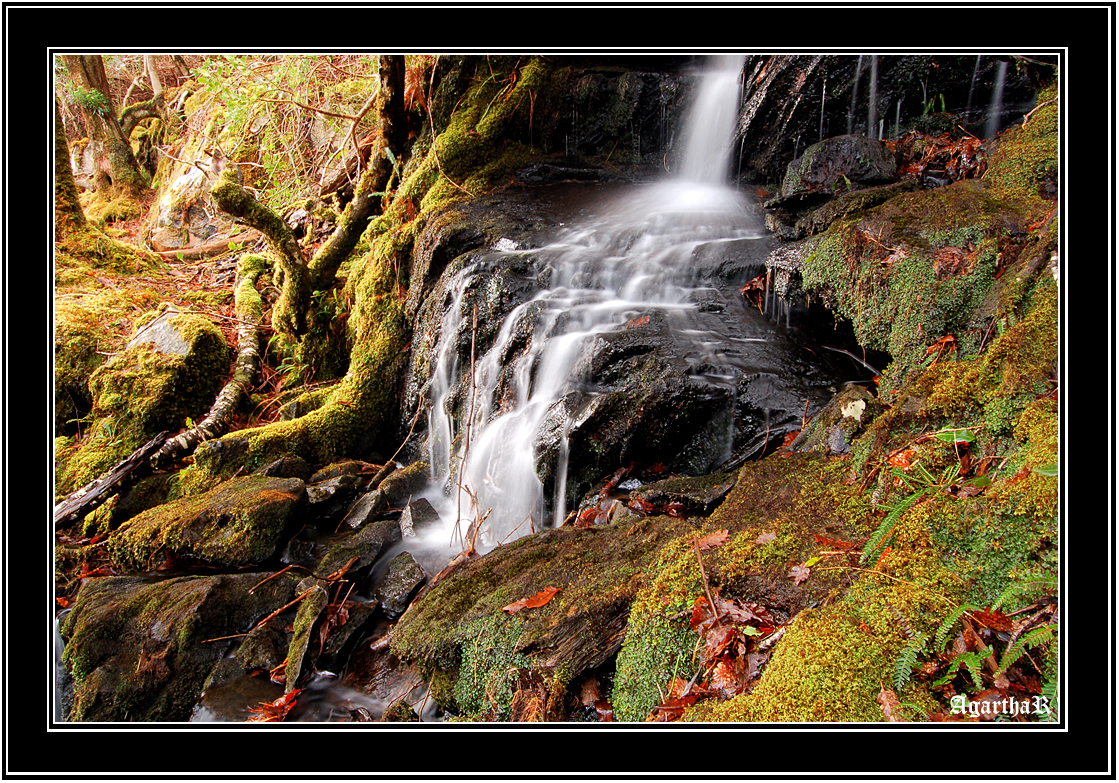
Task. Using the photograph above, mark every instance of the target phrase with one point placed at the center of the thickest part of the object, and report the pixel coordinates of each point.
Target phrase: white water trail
(634, 256)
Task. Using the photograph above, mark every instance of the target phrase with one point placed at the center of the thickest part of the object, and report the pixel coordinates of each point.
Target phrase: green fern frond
(1034, 638)
(907, 659)
(971, 661)
(1050, 690)
(1028, 587)
(880, 538)
(940, 639)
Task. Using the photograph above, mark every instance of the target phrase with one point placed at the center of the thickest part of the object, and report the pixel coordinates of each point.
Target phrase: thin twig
(856, 358)
(706, 588)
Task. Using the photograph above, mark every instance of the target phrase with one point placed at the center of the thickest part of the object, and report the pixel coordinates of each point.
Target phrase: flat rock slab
(241, 521)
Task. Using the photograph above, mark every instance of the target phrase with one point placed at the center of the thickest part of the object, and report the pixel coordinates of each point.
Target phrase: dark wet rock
(315, 599)
(698, 495)
(231, 695)
(404, 482)
(834, 166)
(347, 625)
(239, 522)
(363, 547)
(375, 671)
(346, 467)
(298, 552)
(333, 496)
(399, 485)
(287, 466)
(832, 430)
(137, 649)
(418, 516)
(221, 456)
(264, 648)
(401, 582)
(364, 509)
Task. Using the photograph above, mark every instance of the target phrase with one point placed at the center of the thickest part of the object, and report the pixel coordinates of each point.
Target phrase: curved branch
(289, 314)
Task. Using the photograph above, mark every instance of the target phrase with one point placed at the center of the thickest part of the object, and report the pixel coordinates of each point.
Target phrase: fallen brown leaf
(712, 540)
(541, 598)
(799, 573)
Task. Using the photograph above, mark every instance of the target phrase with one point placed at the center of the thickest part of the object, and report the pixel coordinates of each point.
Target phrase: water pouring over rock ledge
(641, 331)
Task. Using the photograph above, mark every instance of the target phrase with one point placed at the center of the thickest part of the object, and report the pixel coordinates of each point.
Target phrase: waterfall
(994, 111)
(872, 101)
(854, 96)
(631, 258)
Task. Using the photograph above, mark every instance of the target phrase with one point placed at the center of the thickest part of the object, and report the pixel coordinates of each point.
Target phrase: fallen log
(80, 502)
(217, 421)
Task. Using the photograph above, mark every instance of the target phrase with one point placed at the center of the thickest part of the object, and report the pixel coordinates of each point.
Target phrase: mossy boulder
(471, 651)
(139, 650)
(171, 370)
(239, 522)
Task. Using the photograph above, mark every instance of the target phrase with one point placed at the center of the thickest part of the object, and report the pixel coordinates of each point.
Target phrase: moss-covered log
(250, 310)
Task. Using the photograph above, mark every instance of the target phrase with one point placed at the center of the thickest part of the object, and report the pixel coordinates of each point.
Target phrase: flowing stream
(633, 257)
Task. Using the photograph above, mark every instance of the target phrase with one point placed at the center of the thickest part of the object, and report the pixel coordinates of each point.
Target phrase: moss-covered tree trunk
(67, 209)
(118, 172)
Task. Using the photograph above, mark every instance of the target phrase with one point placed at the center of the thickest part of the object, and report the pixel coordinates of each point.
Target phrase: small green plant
(91, 100)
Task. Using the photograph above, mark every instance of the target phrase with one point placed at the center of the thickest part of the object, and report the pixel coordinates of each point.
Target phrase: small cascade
(632, 258)
(854, 96)
(971, 89)
(823, 102)
(994, 110)
(872, 124)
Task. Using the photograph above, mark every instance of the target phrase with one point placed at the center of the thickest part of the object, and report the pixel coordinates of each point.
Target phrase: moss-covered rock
(148, 388)
(141, 650)
(239, 522)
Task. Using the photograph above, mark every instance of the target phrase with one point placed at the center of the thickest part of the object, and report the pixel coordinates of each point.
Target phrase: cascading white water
(994, 110)
(632, 258)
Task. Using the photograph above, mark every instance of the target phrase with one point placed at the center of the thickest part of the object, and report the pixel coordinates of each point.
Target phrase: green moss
(487, 674)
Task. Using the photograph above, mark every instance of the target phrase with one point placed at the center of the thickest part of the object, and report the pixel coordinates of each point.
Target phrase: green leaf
(1047, 470)
(955, 436)
(750, 630)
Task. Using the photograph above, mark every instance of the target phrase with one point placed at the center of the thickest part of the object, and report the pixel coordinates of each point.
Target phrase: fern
(941, 637)
(971, 661)
(1050, 690)
(907, 659)
(1029, 587)
(1037, 636)
(881, 537)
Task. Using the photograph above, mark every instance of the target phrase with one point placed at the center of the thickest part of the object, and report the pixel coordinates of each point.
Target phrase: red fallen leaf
(766, 537)
(276, 710)
(799, 573)
(63, 601)
(901, 458)
(995, 620)
(755, 290)
(636, 322)
(712, 540)
(882, 556)
(789, 439)
(891, 706)
(832, 542)
(541, 598)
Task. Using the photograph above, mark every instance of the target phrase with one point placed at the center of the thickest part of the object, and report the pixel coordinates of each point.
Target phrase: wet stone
(418, 516)
(403, 580)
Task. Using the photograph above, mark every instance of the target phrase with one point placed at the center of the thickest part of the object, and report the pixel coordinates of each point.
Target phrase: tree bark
(120, 173)
(67, 208)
